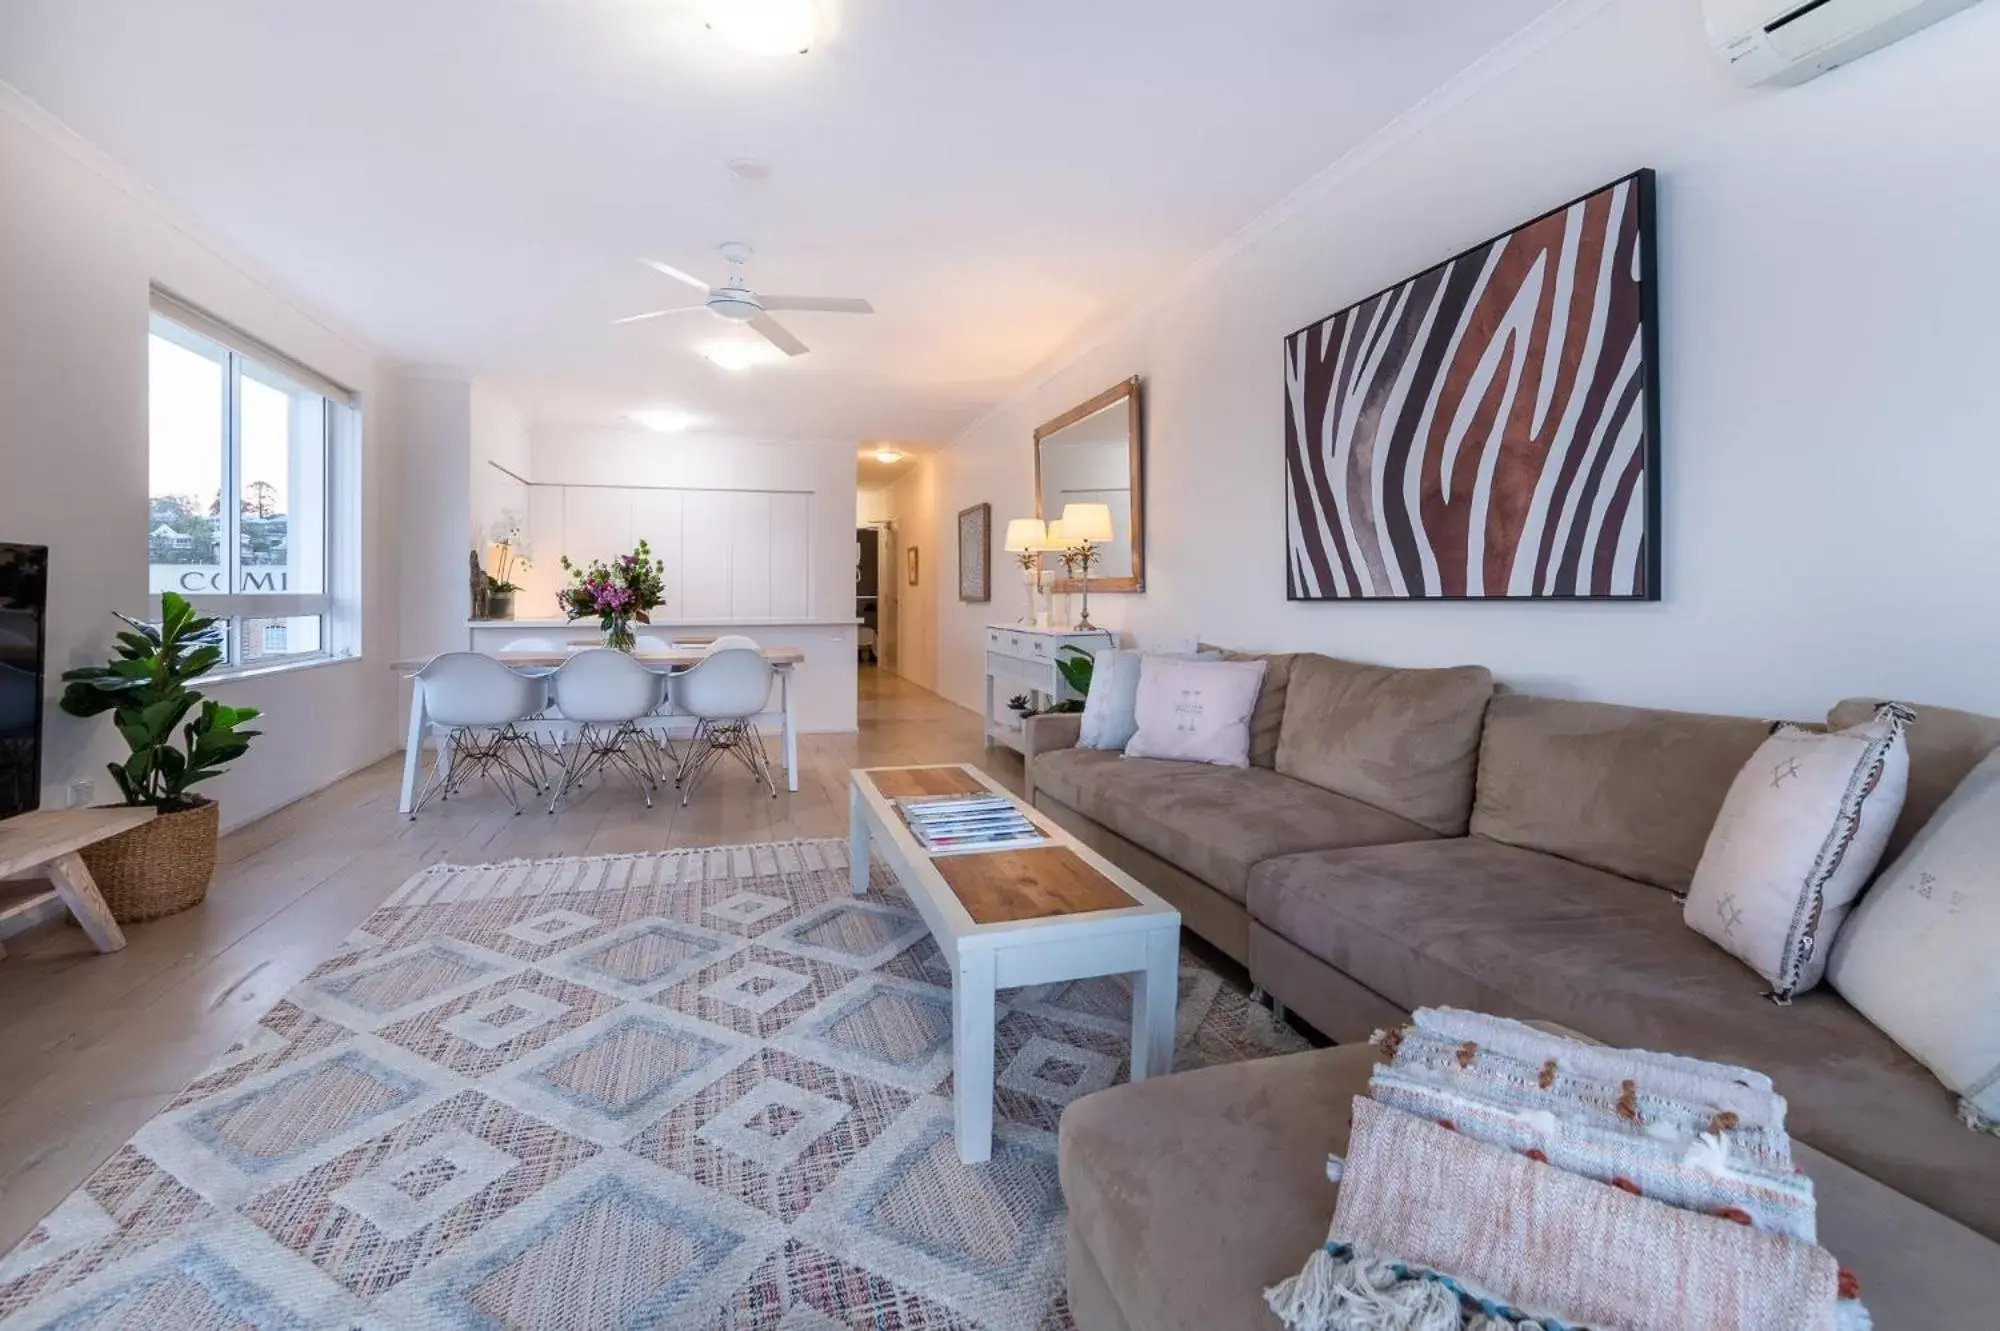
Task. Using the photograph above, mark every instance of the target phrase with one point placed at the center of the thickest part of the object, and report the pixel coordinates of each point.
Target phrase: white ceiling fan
(739, 304)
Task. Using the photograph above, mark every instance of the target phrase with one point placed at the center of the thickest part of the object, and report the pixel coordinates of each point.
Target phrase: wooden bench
(47, 843)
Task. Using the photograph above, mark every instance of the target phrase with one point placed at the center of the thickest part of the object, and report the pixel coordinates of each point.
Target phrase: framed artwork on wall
(975, 553)
(910, 563)
(1488, 429)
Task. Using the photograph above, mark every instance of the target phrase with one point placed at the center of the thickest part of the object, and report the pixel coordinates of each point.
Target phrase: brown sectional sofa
(1408, 838)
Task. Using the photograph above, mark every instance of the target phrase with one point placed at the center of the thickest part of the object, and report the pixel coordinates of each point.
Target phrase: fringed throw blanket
(1500, 1177)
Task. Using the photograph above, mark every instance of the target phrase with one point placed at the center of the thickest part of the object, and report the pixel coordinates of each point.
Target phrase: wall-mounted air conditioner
(1790, 41)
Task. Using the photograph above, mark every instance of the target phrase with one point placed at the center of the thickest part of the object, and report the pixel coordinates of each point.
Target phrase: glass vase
(618, 634)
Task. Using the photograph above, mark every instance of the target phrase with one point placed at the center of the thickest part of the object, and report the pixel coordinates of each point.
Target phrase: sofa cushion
(1194, 1193)
(1269, 718)
(1477, 924)
(1213, 822)
(1945, 745)
(1402, 740)
(1627, 789)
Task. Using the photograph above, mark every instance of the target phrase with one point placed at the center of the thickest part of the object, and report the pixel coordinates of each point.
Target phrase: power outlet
(80, 793)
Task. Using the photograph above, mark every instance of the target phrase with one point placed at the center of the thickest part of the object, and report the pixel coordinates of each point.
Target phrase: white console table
(1020, 659)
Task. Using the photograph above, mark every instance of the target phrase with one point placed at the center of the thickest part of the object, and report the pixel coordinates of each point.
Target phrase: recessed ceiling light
(662, 420)
(765, 27)
(737, 355)
(887, 455)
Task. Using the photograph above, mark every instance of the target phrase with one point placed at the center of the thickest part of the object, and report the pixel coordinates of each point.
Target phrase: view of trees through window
(238, 489)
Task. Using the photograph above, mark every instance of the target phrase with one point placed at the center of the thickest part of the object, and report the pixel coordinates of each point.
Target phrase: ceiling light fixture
(765, 27)
(661, 420)
(887, 456)
(736, 355)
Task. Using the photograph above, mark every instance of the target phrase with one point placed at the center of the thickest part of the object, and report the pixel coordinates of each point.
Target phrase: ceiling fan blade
(675, 273)
(776, 334)
(824, 304)
(654, 314)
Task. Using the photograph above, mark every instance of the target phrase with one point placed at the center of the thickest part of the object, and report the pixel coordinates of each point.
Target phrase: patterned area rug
(702, 1089)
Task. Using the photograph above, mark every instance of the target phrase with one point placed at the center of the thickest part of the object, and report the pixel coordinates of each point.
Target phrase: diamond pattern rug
(705, 1089)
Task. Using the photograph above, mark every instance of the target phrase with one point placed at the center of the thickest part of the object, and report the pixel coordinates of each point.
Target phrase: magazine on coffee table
(959, 823)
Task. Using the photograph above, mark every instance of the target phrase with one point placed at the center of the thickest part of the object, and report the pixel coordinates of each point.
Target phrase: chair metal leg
(597, 749)
(490, 752)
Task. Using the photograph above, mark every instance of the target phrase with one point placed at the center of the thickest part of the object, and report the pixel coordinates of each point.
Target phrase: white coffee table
(1018, 917)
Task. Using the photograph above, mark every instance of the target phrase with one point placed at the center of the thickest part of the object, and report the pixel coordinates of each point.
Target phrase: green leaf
(125, 786)
(80, 700)
(199, 662)
(149, 632)
(133, 647)
(161, 717)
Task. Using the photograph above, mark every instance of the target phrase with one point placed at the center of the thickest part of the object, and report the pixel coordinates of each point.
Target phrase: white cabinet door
(597, 523)
(544, 577)
(750, 555)
(657, 520)
(705, 554)
(791, 556)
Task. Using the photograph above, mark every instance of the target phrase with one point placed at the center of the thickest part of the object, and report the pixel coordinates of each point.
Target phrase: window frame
(239, 358)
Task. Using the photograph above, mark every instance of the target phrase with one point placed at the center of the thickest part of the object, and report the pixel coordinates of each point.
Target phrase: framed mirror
(1092, 454)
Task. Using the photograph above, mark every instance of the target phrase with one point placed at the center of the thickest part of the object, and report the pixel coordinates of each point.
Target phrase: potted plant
(617, 595)
(1076, 667)
(164, 865)
(511, 553)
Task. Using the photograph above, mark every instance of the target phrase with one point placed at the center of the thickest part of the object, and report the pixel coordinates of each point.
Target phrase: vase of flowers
(617, 595)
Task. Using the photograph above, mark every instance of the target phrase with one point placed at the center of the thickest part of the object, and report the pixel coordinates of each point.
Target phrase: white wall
(499, 435)
(78, 251)
(434, 424)
(919, 639)
(1831, 451)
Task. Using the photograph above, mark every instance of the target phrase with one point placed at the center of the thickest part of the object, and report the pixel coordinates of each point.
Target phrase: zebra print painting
(1487, 429)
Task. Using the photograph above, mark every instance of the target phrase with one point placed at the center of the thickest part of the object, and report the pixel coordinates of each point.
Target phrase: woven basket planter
(158, 867)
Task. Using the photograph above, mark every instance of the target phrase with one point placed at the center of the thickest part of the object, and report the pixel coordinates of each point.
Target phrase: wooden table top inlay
(903, 783)
(1009, 885)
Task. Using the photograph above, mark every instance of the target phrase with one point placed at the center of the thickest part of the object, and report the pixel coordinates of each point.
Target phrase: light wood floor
(92, 1046)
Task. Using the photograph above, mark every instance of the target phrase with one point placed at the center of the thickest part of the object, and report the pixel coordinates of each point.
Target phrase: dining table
(666, 661)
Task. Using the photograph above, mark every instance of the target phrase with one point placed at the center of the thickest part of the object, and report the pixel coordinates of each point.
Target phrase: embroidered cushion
(1918, 957)
(1110, 712)
(1196, 711)
(1801, 830)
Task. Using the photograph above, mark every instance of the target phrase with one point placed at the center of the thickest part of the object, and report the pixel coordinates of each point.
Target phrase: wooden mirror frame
(1135, 451)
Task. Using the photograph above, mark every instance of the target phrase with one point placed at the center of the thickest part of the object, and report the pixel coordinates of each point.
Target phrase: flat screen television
(24, 604)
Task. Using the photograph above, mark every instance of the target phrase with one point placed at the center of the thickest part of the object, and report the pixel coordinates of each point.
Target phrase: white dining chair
(646, 642)
(606, 696)
(725, 692)
(547, 645)
(475, 706)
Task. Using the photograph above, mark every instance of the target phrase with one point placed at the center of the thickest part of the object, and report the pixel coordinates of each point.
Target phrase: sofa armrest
(1049, 731)
(1045, 733)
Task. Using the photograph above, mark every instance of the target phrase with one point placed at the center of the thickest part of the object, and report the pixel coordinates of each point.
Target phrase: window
(244, 449)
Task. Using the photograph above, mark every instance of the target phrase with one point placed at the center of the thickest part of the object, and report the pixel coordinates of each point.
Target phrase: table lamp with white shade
(1052, 544)
(1084, 528)
(1027, 538)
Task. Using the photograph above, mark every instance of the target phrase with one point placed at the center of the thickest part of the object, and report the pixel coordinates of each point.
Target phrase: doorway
(875, 594)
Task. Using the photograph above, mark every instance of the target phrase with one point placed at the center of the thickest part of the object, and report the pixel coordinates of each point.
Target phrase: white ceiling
(470, 182)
